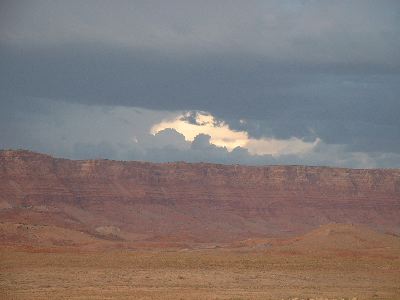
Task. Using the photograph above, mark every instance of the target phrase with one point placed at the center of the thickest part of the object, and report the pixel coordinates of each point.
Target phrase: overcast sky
(250, 82)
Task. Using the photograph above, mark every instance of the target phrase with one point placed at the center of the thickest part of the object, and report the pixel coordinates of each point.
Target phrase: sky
(235, 82)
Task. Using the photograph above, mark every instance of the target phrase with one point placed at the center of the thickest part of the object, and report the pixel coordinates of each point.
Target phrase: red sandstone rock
(193, 202)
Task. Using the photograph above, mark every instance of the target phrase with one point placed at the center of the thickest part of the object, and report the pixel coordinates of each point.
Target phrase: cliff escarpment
(200, 202)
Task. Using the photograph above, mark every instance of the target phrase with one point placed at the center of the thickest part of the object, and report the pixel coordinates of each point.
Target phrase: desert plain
(292, 269)
(103, 229)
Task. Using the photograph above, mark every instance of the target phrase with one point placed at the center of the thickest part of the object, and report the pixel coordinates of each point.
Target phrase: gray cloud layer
(356, 32)
(327, 69)
(85, 131)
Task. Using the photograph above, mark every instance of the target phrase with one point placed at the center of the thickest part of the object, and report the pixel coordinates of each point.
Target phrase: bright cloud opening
(223, 136)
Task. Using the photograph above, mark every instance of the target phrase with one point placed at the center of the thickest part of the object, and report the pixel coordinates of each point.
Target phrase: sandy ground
(205, 274)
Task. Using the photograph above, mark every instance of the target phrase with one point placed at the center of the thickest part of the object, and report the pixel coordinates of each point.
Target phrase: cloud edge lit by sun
(222, 135)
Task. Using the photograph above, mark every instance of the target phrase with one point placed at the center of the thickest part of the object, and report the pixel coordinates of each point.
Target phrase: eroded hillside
(191, 203)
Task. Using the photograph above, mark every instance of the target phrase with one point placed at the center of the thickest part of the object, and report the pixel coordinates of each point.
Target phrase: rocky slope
(191, 203)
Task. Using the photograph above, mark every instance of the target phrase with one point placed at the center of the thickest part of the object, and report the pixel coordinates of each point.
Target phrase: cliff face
(196, 202)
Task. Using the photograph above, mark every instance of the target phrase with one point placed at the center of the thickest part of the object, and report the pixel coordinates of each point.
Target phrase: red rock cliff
(200, 202)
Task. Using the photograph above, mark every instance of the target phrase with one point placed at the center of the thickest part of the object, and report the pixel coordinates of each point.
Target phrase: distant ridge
(191, 203)
(27, 153)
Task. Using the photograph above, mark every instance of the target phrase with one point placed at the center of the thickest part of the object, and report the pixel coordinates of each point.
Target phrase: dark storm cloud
(86, 132)
(358, 31)
(352, 106)
(308, 69)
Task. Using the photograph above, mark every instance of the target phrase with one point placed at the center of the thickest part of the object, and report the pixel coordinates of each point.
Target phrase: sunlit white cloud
(223, 136)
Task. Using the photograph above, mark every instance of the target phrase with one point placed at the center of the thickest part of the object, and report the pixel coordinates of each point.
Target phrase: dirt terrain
(203, 274)
(332, 262)
(132, 230)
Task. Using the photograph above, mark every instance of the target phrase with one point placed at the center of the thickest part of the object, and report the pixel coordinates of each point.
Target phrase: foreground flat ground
(201, 274)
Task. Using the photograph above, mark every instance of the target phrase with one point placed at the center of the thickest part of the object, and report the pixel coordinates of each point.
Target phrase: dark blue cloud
(345, 105)
(306, 69)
